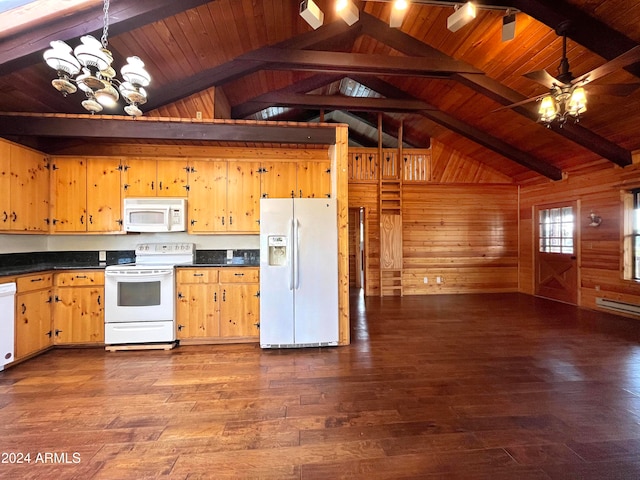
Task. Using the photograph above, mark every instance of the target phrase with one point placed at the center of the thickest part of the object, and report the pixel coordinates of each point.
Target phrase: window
(632, 240)
(556, 230)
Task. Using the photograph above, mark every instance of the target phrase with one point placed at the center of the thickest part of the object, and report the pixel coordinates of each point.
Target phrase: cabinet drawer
(197, 275)
(79, 278)
(29, 283)
(239, 275)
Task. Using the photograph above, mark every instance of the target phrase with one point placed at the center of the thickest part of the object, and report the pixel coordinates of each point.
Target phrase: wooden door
(556, 256)
(33, 322)
(243, 197)
(313, 179)
(207, 203)
(197, 311)
(70, 195)
(239, 310)
(78, 315)
(5, 185)
(29, 190)
(139, 177)
(104, 206)
(171, 178)
(278, 179)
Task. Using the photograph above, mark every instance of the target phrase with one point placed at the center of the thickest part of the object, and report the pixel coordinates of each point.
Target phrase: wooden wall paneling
(465, 234)
(600, 256)
(450, 166)
(390, 242)
(354, 243)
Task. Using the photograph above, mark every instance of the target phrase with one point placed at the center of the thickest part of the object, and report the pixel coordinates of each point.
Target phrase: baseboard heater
(618, 306)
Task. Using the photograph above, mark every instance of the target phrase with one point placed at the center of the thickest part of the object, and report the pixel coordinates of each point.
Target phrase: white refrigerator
(298, 272)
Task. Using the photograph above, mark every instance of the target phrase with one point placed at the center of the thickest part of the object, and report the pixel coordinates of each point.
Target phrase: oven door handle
(155, 273)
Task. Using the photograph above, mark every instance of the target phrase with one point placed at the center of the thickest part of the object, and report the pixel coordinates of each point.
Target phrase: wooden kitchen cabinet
(301, 179)
(86, 195)
(197, 311)
(151, 177)
(224, 196)
(24, 189)
(33, 331)
(240, 306)
(218, 305)
(78, 308)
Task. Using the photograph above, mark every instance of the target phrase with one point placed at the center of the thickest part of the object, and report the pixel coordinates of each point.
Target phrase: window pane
(556, 230)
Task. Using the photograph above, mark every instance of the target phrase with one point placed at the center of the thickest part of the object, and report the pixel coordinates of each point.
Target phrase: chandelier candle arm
(88, 68)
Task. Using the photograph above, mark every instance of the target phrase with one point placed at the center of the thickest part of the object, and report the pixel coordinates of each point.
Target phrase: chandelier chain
(105, 28)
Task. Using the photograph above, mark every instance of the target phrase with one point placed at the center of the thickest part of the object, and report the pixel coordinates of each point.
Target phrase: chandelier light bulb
(577, 103)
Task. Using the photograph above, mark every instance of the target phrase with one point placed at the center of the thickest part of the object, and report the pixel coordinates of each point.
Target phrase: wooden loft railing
(390, 169)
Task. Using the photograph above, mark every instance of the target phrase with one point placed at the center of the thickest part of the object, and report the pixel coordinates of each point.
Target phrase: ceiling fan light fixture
(577, 103)
(398, 11)
(548, 109)
(348, 11)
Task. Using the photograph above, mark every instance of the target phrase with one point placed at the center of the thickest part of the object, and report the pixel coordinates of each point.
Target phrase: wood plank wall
(461, 225)
(599, 249)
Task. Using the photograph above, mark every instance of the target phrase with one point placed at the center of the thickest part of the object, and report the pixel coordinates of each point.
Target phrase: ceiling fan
(567, 97)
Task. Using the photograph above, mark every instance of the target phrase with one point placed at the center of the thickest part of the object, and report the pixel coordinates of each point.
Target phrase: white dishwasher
(7, 322)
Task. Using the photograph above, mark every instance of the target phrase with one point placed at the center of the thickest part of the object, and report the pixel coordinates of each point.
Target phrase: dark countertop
(43, 267)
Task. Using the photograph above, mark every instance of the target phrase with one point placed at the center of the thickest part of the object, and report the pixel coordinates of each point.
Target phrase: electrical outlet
(199, 115)
(438, 280)
(425, 280)
(229, 254)
(102, 256)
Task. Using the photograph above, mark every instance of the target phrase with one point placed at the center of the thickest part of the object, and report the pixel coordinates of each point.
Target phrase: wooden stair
(390, 208)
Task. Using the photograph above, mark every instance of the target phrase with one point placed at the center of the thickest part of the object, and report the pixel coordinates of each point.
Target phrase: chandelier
(89, 67)
(564, 102)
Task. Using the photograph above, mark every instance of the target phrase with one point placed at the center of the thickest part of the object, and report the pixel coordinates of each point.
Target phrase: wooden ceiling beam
(495, 90)
(474, 134)
(243, 65)
(88, 127)
(26, 48)
(324, 61)
(341, 102)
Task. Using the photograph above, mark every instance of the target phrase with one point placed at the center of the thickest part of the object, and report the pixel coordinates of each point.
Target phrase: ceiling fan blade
(543, 77)
(628, 58)
(523, 102)
(616, 89)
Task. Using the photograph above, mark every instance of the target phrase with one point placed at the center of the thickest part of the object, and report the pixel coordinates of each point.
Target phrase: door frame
(576, 247)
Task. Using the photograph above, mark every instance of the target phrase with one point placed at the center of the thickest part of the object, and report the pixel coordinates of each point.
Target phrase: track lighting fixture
(461, 16)
(398, 11)
(311, 13)
(347, 11)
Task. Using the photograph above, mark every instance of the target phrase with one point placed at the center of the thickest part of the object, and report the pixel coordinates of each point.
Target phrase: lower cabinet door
(33, 322)
(239, 310)
(78, 315)
(198, 311)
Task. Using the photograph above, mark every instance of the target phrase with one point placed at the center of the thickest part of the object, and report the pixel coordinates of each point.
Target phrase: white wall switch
(426, 280)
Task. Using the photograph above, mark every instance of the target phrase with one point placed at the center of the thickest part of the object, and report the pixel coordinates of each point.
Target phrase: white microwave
(155, 214)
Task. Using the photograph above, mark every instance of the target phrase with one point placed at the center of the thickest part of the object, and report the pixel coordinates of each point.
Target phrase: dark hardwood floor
(502, 386)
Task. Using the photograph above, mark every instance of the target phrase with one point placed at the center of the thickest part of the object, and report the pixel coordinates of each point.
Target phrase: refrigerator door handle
(297, 253)
(291, 263)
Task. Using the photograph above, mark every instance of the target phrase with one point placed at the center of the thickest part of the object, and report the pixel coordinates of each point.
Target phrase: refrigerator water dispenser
(277, 250)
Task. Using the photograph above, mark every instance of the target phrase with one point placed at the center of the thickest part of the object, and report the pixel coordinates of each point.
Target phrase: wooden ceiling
(255, 55)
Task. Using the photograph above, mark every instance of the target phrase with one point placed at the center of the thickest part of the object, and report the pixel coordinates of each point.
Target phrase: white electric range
(140, 297)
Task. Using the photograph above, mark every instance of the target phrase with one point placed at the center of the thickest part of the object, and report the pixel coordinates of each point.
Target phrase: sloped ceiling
(265, 62)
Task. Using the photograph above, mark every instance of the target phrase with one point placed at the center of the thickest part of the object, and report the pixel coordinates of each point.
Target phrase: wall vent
(618, 306)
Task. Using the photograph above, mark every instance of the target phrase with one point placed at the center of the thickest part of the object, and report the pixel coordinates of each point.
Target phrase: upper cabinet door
(243, 197)
(139, 177)
(172, 178)
(70, 194)
(314, 179)
(104, 206)
(5, 185)
(29, 190)
(207, 196)
(278, 179)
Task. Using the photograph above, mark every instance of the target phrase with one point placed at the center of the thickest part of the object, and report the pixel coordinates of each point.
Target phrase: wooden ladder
(390, 208)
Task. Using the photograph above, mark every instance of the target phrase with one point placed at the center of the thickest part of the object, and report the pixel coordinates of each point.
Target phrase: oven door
(134, 294)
